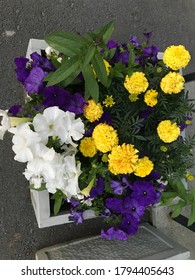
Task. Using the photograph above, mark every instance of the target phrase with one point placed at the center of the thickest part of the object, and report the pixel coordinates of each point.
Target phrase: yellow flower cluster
(150, 97)
(136, 83)
(109, 101)
(144, 167)
(189, 177)
(87, 147)
(122, 159)
(167, 131)
(105, 137)
(176, 57)
(93, 111)
(172, 83)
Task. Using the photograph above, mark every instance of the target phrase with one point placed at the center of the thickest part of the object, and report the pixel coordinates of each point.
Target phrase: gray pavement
(172, 23)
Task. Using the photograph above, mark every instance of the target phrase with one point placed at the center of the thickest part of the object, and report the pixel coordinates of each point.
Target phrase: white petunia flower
(24, 140)
(44, 164)
(5, 123)
(50, 51)
(55, 122)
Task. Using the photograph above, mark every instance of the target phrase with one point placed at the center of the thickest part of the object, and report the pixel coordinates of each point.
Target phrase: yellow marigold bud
(167, 131)
(105, 158)
(93, 111)
(172, 83)
(87, 147)
(109, 101)
(144, 167)
(105, 137)
(136, 83)
(189, 176)
(164, 149)
(176, 57)
(133, 97)
(150, 97)
(122, 159)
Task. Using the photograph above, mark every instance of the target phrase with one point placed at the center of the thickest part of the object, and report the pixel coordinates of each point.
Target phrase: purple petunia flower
(106, 213)
(74, 203)
(77, 217)
(55, 96)
(112, 233)
(42, 62)
(144, 114)
(134, 41)
(114, 204)
(151, 53)
(98, 189)
(144, 193)
(21, 70)
(129, 224)
(14, 110)
(123, 57)
(34, 82)
(112, 44)
(154, 175)
(132, 206)
(148, 35)
(76, 104)
(119, 186)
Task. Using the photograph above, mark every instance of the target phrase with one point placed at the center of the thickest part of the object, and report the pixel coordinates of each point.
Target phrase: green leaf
(70, 79)
(68, 43)
(167, 197)
(100, 69)
(177, 185)
(58, 196)
(89, 55)
(191, 219)
(91, 85)
(177, 208)
(106, 31)
(42, 188)
(64, 71)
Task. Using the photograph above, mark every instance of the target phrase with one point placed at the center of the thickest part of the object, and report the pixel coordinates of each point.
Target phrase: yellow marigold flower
(93, 111)
(136, 83)
(164, 149)
(167, 131)
(105, 137)
(144, 167)
(172, 83)
(176, 57)
(150, 97)
(189, 176)
(87, 147)
(122, 159)
(109, 101)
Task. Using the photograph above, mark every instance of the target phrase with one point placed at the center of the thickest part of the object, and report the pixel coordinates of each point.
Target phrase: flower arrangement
(102, 126)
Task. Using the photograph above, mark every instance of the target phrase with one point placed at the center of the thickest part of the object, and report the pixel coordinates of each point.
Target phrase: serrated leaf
(100, 69)
(68, 43)
(91, 85)
(64, 71)
(89, 55)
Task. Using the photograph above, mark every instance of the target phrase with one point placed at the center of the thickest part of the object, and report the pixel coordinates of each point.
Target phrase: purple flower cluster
(131, 206)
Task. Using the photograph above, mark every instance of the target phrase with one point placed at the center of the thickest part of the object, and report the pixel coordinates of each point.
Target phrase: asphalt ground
(172, 23)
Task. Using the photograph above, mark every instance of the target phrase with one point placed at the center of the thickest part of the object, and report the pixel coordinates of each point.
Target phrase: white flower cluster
(44, 164)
